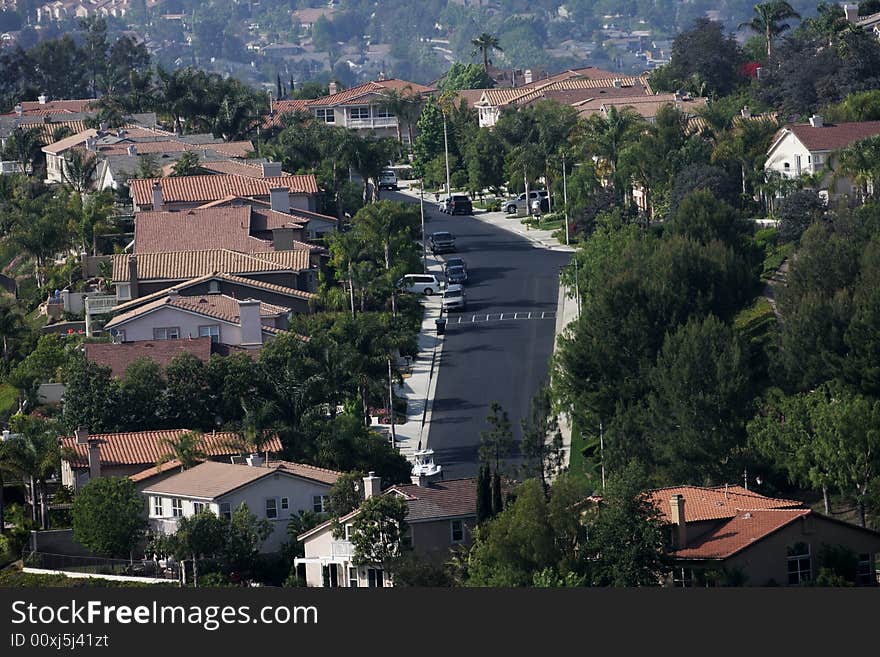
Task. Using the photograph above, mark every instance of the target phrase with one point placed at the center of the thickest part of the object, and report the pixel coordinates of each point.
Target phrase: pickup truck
(514, 205)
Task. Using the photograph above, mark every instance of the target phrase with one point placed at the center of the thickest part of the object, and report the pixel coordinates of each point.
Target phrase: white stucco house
(276, 491)
(811, 148)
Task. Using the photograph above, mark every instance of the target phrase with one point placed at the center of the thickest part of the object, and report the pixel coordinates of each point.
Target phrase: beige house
(441, 515)
(730, 532)
(274, 490)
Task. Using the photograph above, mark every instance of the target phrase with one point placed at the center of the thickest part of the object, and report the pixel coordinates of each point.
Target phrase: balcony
(164, 525)
(100, 304)
(372, 122)
(342, 549)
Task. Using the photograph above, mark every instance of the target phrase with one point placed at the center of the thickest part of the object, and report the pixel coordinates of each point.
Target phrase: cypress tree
(278, 84)
(484, 494)
(497, 501)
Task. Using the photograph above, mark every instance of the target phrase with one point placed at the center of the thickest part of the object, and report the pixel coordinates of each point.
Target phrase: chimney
(851, 12)
(617, 83)
(420, 480)
(255, 460)
(41, 99)
(746, 112)
(94, 459)
(19, 110)
(271, 169)
(676, 503)
(91, 144)
(279, 199)
(816, 121)
(133, 276)
(120, 133)
(133, 150)
(372, 485)
(332, 88)
(157, 196)
(528, 77)
(282, 238)
(249, 319)
(102, 126)
(82, 436)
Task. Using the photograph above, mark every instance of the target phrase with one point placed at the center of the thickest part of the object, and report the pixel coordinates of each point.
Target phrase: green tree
(497, 498)
(541, 442)
(860, 162)
(35, 454)
(78, 169)
(769, 20)
(140, 395)
(496, 443)
(484, 494)
(91, 396)
(199, 536)
(484, 44)
(108, 516)
(186, 448)
(187, 164)
(346, 494)
(466, 76)
(245, 534)
(378, 528)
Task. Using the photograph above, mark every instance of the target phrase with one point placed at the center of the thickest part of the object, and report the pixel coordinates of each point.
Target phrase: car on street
(514, 205)
(459, 204)
(425, 284)
(456, 275)
(388, 179)
(454, 298)
(454, 261)
(442, 242)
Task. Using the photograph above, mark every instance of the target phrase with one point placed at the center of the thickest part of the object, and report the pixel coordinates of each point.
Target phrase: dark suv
(442, 242)
(459, 204)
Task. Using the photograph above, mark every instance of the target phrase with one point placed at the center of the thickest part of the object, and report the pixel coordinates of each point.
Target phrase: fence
(82, 565)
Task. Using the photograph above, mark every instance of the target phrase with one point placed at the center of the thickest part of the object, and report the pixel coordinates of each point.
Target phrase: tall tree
(769, 20)
(484, 44)
(187, 449)
(108, 516)
(496, 443)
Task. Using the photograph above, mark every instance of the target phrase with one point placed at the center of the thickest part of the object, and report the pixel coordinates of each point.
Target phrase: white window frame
(176, 507)
(325, 114)
(382, 112)
(319, 503)
(355, 113)
(225, 510)
(800, 571)
(353, 579)
(866, 574)
(198, 507)
(452, 524)
(157, 506)
(123, 291)
(166, 333)
(285, 504)
(348, 532)
(210, 331)
(375, 578)
(273, 508)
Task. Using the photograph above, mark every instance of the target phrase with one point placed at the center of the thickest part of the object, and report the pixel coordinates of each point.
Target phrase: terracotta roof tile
(217, 306)
(833, 136)
(745, 528)
(369, 88)
(212, 479)
(234, 167)
(714, 503)
(73, 106)
(147, 447)
(182, 265)
(205, 188)
(119, 356)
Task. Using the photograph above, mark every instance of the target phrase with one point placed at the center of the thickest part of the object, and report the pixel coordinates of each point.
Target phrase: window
(325, 114)
(353, 578)
(198, 507)
(382, 112)
(799, 571)
(319, 503)
(212, 332)
(683, 577)
(166, 333)
(225, 510)
(866, 575)
(285, 503)
(457, 531)
(359, 113)
(348, 532)
(797, 164)
(271, 507)
(330, 576)
(123, 290)
(176, 507)
(158, 509)
(375, 578)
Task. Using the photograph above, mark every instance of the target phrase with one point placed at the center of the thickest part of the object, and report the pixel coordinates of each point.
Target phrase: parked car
(454, 298)
(454, 261)
(459, 204)
(456, 274)
(514, 205)
(388, 179)
(425, 284)
(442, 242)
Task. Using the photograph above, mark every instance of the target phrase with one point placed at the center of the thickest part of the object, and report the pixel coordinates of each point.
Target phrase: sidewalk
(567, 312)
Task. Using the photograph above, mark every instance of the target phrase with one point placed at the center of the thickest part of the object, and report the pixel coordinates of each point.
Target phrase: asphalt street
(499, 347)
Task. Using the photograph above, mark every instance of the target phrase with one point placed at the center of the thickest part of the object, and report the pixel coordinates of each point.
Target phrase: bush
(797, 212)
(493, 206)
(766, 237)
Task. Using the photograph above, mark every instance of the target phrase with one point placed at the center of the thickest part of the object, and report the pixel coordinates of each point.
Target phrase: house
(441, 515)
(246, 323)
(812, 148)
(86, 457)
(274, 490)
(645, 106)
(142, 274)
(747, 536)
(187, 192)
(119, 356)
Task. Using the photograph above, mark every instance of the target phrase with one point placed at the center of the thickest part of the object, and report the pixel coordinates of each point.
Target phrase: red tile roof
(182, 265)
(374, 87)
(739, 532)
(441, 499)
(714, 503)
(205, 188)
(233, 167)
(281, 108)
(147, 447)
(119, 356)
(216, 306)
(834, 136)
(56, 106)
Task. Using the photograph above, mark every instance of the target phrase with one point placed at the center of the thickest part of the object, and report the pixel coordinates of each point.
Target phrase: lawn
(8, 400)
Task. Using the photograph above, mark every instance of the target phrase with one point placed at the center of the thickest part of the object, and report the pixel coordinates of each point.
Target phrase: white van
(420, 283)
(388, 179)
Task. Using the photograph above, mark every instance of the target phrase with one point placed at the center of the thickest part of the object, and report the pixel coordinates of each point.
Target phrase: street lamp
(565, 198)
(446, 150)
(422, 211)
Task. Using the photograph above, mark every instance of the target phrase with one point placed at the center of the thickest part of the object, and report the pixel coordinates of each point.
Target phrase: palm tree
(34, 452)
(78, 169)
(257, 427)
(484, 44)
(861, 162)
(25, 147)
(769, 20)
(404, 104)
(606, 137)
(12, 322)
(187, 448)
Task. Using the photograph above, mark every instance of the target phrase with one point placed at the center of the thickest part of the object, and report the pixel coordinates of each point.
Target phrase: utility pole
(565, 198)
(446, 149)
(602, 452)
(422, 211)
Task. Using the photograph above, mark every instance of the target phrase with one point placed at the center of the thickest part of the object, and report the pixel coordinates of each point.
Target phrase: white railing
(164, 525)
(100, 304)
(374, 122)
(341, 549)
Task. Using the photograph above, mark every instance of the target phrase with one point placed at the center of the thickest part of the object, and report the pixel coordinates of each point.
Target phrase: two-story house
(812, 149)
(274, 490)
(440, 516)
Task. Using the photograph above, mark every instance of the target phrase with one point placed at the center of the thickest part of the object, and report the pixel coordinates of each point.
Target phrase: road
(499, 348)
